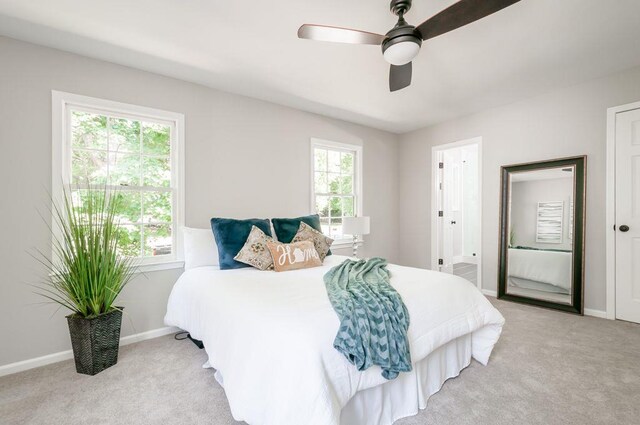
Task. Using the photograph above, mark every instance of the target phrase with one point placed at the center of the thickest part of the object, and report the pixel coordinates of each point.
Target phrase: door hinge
(440, 261)
(440, 164)
(440, 213)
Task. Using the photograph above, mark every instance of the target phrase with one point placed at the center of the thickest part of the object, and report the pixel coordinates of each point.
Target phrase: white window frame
(357, 174)
(62, 102)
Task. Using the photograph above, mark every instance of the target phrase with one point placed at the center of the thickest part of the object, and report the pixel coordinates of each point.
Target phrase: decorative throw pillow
(320, 241)
(293, 256)
(286, 228)
(230, 237)
(255, 251)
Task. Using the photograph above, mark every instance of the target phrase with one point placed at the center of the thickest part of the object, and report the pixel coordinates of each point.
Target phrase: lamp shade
(356, 225)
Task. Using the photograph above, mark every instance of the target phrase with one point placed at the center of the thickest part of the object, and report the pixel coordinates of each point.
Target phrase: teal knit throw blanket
(373, 318)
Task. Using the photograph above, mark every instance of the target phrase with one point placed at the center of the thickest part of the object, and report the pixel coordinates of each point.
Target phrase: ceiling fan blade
(400, 76)
(460, 14)
(338, 35)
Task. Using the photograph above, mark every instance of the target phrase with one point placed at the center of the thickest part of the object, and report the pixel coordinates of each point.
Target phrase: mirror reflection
(540, 234)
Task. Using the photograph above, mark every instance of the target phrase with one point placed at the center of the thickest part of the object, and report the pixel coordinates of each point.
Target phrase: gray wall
(236, 150)
(566, 122)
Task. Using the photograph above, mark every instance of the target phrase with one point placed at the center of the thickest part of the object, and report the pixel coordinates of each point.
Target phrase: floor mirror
(542, 222)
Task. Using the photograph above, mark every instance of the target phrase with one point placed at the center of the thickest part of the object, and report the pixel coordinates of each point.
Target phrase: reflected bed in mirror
(542, 233)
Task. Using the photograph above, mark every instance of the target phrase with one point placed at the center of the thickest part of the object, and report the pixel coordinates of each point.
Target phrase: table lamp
(356, 226)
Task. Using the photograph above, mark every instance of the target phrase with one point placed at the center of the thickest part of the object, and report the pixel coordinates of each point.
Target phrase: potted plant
(87, 273)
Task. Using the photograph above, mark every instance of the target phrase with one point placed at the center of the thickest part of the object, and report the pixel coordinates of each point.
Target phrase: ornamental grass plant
(86, 272)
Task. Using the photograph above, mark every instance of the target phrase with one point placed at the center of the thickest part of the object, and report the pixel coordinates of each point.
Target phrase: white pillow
(200, 248)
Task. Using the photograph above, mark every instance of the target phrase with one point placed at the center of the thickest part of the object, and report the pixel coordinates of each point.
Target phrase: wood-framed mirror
(542, 224)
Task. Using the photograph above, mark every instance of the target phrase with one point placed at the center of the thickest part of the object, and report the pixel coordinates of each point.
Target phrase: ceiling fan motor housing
(402, 36)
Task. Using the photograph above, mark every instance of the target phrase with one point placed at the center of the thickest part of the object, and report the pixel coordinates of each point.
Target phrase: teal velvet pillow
(286, 228)
(231, 235)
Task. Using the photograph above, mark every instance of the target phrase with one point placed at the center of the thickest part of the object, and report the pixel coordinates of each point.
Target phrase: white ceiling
(251, 48)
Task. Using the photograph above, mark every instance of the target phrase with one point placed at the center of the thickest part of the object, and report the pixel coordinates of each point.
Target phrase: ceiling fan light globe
(401, 53)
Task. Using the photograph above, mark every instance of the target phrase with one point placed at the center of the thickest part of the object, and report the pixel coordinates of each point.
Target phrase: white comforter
(552, 267)
(270, 335)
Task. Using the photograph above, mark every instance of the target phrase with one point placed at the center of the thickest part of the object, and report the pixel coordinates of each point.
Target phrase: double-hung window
(136, 153)
(336, 182)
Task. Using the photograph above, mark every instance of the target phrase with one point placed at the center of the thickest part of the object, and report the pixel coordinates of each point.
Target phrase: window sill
(155, 267)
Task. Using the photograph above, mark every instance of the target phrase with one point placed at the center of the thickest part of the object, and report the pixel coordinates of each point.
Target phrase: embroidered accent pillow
(293, 256)
(255, 252)
(320, 241)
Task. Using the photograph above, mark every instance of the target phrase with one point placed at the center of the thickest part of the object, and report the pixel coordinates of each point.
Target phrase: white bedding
(270, 335)
(552, 267)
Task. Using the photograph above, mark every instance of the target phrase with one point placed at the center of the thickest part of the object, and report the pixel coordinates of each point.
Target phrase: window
(133, 150)
(336, 185)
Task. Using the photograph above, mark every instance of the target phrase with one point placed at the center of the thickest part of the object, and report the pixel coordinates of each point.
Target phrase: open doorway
(456, 201)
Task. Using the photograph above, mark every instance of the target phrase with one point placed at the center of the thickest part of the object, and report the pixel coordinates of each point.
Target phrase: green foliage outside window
(334, 188)
(133, 155)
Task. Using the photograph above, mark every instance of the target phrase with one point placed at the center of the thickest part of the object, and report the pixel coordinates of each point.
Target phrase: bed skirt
(409, 392)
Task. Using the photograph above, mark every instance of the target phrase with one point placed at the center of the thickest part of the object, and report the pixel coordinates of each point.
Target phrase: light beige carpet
(548, 368)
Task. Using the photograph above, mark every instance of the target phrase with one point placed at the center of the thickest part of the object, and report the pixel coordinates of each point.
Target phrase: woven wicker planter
(95, 341)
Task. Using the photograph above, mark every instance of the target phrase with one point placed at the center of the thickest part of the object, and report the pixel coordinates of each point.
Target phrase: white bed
(542, 270)
(270, 338)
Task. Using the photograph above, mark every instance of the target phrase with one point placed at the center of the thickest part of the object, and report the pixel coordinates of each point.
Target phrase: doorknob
(453, 222)
(624, 228)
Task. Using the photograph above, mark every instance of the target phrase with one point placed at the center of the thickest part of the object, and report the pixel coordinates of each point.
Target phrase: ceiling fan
(402, 43)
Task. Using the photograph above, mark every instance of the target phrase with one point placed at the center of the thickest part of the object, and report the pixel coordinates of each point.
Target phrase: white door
(443, 242)
(628, 216)
(447, 221)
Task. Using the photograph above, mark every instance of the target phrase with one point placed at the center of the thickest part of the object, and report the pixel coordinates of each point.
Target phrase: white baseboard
(154, 333)
(66, 355)
(490, 293)
(595, 313)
